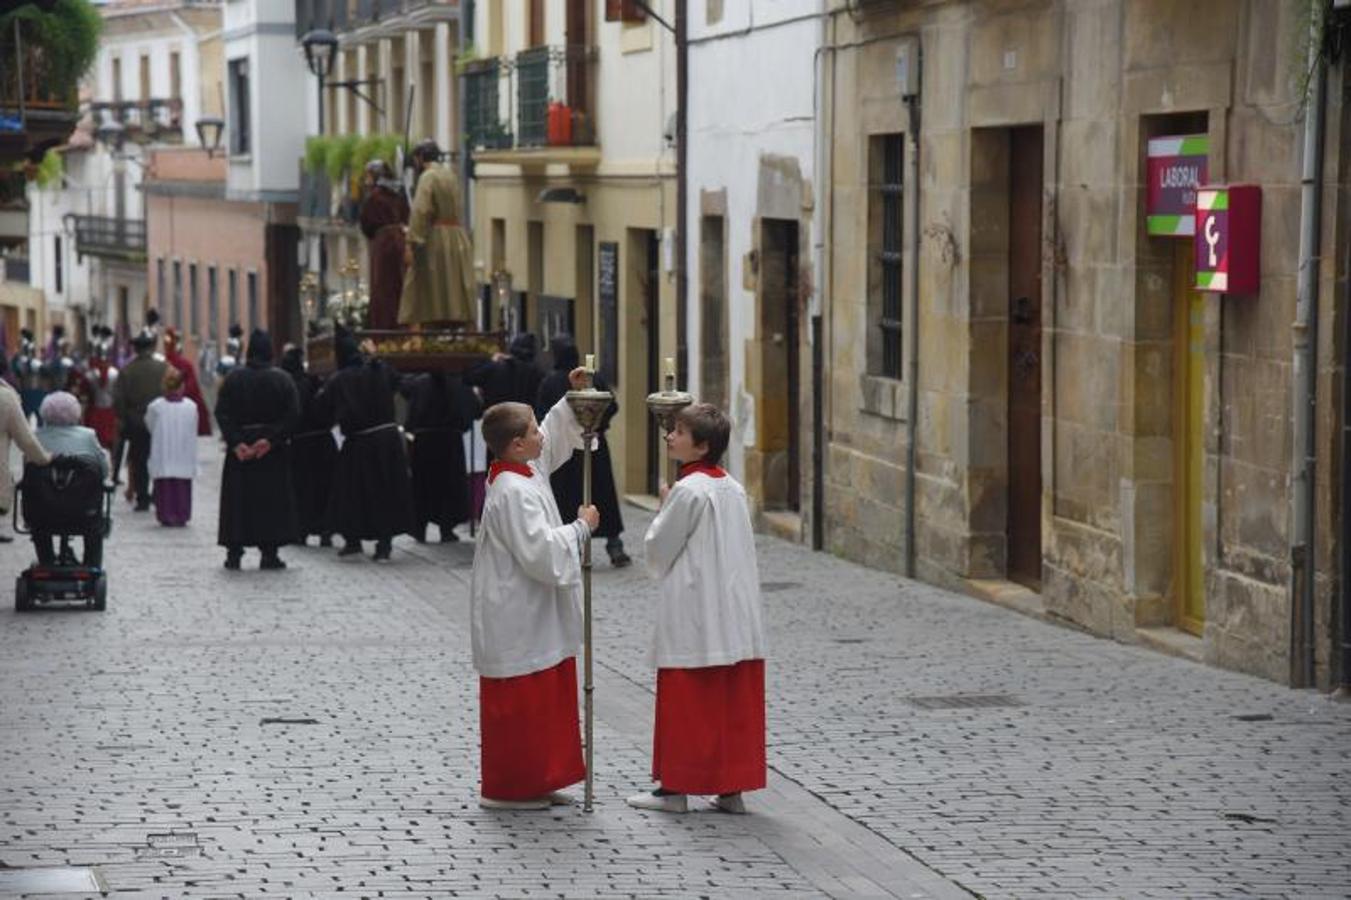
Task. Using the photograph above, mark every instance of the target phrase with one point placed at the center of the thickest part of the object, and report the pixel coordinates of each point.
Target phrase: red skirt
(531, 739)
(710, 729)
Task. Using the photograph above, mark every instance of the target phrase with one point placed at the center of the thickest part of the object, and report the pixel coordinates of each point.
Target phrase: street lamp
(321, 46)
(209, 131)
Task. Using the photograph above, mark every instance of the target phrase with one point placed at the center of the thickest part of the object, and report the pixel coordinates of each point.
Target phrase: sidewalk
(315, 732)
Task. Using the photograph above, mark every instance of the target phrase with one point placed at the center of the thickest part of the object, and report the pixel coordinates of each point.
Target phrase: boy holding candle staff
(526, 620)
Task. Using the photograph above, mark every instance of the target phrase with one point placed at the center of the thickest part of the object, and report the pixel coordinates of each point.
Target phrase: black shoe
(448, 536)
(351, 548)
(272, 563)
(618, 558)
(382, 549)
(325, 540)
(420, 535)
(142, 507)
(232, 561)
(6, 539)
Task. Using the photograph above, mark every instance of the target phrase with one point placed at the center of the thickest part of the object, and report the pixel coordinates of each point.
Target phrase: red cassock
(710, 729)
(532, 742)
(192, 389)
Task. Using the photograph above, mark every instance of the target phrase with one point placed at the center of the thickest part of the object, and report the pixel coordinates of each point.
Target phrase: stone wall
(1100, 78)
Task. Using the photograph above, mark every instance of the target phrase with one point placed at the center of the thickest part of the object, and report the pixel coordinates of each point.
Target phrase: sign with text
(1175, 167)
(1228, 239)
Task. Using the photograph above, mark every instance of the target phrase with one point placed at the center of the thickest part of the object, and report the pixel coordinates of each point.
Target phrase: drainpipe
(1343, 692)
(820, 277)
(682, 186)
(912, 105)
(1305, 334)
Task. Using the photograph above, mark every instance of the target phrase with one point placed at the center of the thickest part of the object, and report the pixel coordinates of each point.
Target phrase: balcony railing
(549, 96)
(37, 110)
(483, 117)
(158, 120)
(111, 238)
(16, 269)
(316, 195)
(343, 15)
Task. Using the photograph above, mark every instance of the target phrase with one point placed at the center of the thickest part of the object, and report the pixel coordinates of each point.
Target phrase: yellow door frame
(1189, 358)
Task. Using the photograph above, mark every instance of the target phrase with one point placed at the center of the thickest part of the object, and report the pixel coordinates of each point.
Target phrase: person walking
(14, 428)
(173, 424)
(314, 453)
(140, 382)
(372, 496)
(441, 408)
(174, 356)
(256, 410)
(567, 481)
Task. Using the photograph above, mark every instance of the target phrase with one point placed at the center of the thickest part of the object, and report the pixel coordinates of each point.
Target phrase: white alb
(702, 550)
(525, 601)
(173, 438)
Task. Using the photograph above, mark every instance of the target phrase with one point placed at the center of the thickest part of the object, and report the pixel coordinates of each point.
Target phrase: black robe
(257, 505)
(314, 454)
(506, 379)
(441, 408)
(372, 496)
(567, 479)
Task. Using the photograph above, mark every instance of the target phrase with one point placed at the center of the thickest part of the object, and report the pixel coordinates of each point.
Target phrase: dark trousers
(93, 547)
(138, 459)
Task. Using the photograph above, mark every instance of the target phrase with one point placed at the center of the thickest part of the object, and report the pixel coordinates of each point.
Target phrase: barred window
(886, 160)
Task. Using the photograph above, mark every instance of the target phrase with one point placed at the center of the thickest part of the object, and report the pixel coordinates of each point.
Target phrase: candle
(591, 362)
(670, 366)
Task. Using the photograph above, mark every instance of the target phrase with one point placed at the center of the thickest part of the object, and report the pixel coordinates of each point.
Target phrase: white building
(750, 219)
(157, 74)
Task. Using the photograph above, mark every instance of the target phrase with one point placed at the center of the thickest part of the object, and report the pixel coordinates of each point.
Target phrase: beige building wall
(1098, 79)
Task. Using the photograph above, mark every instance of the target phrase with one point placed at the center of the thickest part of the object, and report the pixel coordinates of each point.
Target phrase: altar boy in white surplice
(709, 646)
(525, 610)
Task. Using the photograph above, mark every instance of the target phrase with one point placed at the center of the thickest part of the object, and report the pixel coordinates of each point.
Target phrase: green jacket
(138, 384)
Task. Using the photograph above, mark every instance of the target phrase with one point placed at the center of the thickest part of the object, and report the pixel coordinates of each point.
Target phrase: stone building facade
(1096, 441)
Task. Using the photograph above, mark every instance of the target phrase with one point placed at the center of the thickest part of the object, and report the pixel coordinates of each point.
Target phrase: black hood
(346, 352)
(564, 350)
(524, 347)
(293, 360)
(260, 348)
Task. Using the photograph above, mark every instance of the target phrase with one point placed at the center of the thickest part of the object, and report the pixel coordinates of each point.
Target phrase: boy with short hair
(709, 644)
(525, 611)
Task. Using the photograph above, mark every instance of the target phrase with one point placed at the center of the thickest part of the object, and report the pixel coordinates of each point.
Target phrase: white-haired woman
(62, 434)
(13, 427)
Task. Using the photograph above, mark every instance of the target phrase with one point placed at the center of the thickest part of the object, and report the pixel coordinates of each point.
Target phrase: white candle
(670, 366)
(590, 362)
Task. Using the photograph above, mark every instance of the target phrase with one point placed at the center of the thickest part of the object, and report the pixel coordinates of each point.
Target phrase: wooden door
(1189, 360)
(1024, 377)
(778, 404)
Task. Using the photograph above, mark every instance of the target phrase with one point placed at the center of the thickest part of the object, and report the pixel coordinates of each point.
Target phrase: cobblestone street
(314, 732)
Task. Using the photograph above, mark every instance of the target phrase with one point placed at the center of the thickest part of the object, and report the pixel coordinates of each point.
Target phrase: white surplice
(525, 600)
(173, 438)
(702, 550)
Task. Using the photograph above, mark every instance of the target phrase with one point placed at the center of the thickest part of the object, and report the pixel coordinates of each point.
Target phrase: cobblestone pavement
(314, 732)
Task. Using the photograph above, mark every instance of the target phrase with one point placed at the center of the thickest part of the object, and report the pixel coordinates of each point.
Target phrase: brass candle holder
(589, 406)
(665, 405)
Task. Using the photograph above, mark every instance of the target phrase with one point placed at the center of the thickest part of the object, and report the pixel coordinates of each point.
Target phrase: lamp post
(209, 131)
(321, 46)
(666, 404)
(589, 405)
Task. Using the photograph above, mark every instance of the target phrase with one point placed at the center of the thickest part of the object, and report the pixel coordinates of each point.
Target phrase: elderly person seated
(62, 434)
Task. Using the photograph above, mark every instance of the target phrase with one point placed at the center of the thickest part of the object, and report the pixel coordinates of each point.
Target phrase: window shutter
(624, 10)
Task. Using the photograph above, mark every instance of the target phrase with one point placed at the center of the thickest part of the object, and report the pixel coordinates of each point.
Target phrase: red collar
(500, 465)
(707, 468)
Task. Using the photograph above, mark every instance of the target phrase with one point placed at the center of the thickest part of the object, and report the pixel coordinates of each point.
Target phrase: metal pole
(1305, 328)
(588, 686)
(323, 239)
